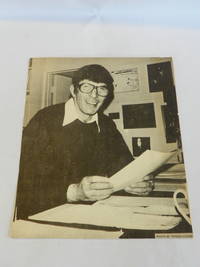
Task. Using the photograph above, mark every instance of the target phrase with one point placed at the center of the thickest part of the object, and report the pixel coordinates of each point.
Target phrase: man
(70, 150)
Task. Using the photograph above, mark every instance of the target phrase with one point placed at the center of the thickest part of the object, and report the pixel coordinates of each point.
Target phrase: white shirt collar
(71, 114)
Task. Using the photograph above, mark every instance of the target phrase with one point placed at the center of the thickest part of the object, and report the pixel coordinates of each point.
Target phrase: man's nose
(94, 92)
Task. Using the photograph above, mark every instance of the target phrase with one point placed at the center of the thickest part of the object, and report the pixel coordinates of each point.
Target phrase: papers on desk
(170, 177)
(146, 205)
(126, 212)
(163, 186)
(148, 162)
(172, 171)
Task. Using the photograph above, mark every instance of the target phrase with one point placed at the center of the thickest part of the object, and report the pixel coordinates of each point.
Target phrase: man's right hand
(93, 188)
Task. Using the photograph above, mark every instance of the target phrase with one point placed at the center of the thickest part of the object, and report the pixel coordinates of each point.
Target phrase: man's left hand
(144, 187)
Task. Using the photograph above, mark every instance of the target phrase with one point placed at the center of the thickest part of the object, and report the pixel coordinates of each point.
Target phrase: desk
(30, 229)
(64, 221)
(85, 221)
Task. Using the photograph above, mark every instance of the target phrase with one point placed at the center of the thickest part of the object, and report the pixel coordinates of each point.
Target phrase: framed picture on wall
(160, 76)
(171, 124)
(139, 116)
(140, 145)
(126, 80)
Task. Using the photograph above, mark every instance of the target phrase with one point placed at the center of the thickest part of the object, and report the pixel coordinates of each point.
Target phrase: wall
(39, 85)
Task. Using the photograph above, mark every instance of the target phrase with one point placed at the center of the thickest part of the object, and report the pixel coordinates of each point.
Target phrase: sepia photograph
(101, 151)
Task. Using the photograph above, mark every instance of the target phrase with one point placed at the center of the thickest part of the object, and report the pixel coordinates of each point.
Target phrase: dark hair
(95, 73)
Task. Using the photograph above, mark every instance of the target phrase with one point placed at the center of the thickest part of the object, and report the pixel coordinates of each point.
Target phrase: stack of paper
(171, 178)
(164, 186)
(172, 171)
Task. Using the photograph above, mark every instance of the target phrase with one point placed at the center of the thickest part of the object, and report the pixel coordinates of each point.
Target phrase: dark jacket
(53, 157)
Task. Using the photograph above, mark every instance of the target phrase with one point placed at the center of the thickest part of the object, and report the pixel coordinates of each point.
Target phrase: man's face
(89, 103)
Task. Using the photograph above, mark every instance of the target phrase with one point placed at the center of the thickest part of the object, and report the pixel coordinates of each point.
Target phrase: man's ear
(72, 90)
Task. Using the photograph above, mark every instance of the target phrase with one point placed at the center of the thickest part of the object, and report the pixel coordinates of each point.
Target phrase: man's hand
(143, 187)
(93, 188)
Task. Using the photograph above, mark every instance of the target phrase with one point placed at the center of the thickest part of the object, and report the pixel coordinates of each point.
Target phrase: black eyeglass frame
(94, 87)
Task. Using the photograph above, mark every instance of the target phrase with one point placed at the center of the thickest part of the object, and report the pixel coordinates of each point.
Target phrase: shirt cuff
(72, 193)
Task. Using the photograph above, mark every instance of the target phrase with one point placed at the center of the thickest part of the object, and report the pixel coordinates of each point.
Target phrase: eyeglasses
(87, 88)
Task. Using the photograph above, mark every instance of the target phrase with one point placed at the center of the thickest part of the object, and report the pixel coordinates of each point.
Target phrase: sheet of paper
(26, 229)
(104, 215)
(145, 205)
(148, 162)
